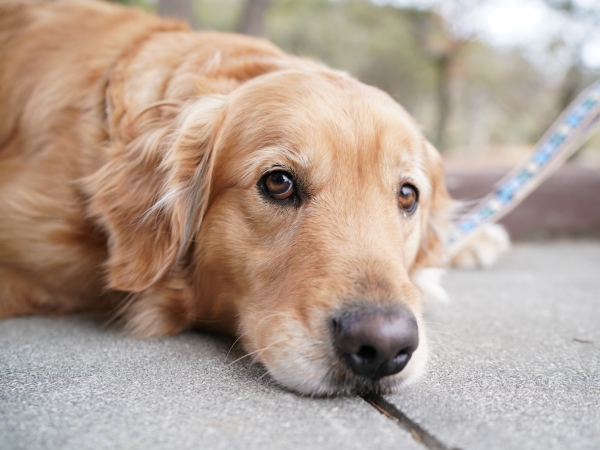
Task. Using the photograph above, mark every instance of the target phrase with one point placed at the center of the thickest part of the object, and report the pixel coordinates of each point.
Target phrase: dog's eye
(408, 198)
(279, 185)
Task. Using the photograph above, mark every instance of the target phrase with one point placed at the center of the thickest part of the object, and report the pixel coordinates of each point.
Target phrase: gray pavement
(515, 365)
(516, 358)
(72, 384)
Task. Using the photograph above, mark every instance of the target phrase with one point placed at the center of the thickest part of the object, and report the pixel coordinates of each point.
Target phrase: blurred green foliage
(464, 92)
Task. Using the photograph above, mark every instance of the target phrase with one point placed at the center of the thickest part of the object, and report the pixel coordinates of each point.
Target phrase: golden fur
(130, 150)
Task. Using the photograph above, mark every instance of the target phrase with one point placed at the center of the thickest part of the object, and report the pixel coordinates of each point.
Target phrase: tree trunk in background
(569, 89)
(571, 86)
(178, 9)
(253, 20)
(443, 100)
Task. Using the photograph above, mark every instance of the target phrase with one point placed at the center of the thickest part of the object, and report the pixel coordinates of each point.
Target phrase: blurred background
(484, 78)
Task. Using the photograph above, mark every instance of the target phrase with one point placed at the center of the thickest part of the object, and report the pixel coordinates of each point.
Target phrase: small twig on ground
(583, 341)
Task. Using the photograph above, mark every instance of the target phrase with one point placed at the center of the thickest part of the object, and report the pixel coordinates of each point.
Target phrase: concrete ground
(515, 365)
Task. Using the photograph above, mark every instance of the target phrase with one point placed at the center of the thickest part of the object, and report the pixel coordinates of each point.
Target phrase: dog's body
(143, 165)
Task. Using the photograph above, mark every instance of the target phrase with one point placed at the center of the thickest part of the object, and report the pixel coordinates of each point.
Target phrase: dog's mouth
(345, 382)
(366, 352)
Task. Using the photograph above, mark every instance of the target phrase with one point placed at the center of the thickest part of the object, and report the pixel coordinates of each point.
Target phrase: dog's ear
(151, 193)
(432, 250)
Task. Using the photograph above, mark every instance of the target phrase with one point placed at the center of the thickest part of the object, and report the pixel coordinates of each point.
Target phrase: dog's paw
(429, 282)
(482, 249)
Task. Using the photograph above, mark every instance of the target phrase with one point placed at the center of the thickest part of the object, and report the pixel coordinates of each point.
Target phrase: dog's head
(294, 211)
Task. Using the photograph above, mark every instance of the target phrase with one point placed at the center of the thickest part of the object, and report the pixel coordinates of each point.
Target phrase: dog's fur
(130, 151)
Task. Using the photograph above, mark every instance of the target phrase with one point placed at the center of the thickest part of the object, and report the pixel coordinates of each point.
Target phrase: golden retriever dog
(184, 179)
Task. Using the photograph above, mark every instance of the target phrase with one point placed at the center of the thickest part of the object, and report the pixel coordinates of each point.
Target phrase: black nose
(376, 343)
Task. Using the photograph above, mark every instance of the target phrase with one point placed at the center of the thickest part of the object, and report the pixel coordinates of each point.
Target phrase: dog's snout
(376, 343)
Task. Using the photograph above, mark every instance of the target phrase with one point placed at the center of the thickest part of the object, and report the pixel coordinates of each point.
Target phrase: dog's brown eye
(279, 185)
(408, 198)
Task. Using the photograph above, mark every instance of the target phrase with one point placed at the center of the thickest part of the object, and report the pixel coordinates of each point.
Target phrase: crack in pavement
(418, 433)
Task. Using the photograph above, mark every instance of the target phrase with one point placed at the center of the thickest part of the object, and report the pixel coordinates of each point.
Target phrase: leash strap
(562, 140)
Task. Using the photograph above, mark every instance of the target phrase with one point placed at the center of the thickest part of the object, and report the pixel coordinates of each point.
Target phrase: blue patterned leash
(563, 139)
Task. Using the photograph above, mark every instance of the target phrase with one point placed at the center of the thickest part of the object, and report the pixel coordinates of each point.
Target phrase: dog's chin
(312, 368)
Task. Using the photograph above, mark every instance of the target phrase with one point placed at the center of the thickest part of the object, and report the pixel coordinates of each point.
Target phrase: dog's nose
(376, 343)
